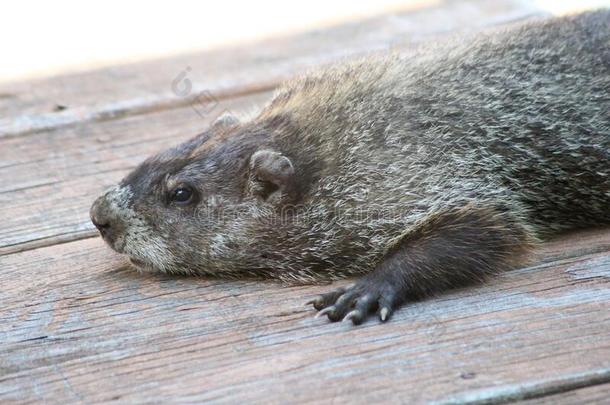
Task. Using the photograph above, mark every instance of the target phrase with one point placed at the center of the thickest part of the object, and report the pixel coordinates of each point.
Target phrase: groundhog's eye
(183, 195)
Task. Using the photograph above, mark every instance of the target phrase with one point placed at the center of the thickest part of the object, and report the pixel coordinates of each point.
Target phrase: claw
(350, 315)
(325, 311)
(383, 314)
(318, 303)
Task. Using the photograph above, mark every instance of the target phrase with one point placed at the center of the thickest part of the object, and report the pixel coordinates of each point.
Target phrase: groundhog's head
(198, 207)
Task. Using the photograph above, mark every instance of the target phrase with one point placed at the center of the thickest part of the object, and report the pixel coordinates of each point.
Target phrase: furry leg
(449, 249)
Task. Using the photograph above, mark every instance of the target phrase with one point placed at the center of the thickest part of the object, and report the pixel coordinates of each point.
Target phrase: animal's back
(539, 101)
(523, 112)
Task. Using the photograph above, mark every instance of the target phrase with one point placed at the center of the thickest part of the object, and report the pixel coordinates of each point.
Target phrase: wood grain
(597, 394)
(117, 91)
(79, 325)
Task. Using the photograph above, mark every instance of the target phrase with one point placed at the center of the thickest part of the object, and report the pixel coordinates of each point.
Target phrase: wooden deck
(79, 325)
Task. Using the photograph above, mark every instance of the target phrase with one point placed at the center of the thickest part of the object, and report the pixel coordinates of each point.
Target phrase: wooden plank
(597, 394)
(78, 325)
(55, 176)
(109, 93)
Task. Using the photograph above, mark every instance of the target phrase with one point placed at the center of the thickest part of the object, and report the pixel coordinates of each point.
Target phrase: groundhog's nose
(102, 220)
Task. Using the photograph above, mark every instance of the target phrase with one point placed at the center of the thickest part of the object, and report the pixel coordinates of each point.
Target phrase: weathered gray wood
(109, 93)
(78, 325)
(596, 394)
(49, 180)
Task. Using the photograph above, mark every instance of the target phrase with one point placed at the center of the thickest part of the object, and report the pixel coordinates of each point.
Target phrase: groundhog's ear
(271, 174)
(225, 120)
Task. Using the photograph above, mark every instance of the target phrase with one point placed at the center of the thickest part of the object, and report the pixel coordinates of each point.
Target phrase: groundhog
(421, 173)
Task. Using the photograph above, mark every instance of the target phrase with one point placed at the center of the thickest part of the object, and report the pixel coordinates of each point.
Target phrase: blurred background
(40, 38)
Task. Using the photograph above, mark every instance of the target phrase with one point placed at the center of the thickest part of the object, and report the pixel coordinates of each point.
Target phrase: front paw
(357, 302)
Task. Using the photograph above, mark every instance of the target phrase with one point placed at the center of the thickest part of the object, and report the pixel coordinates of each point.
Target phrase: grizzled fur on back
(375, 150)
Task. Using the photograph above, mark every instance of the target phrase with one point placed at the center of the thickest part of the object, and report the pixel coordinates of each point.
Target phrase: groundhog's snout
(104, 220)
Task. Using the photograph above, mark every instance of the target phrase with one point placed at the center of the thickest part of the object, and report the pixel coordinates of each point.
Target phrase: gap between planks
(25, 125)
(525, 391)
